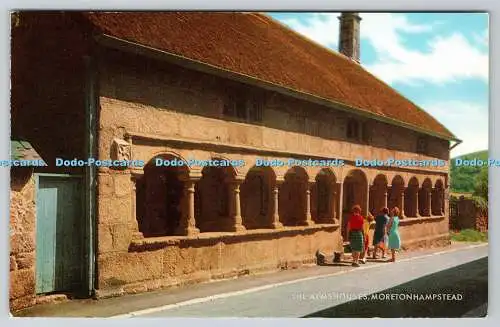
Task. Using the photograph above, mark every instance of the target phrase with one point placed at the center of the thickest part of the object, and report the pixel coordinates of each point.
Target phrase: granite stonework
(22, 239)
(184, 121)
(164, 226)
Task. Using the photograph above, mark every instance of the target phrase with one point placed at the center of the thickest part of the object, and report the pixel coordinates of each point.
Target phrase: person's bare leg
(355, 258)
(362, 256)
(393, 259)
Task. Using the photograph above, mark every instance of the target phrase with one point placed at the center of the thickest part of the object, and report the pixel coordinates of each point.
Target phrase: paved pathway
(317, 291)
(459, 274)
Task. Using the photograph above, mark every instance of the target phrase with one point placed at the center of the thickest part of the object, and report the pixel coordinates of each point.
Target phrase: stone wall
(161, 109)
(176, 102)
(48, 97)
(424, 232)
(466, 215)
(48, 87)
(162, 262)
(22, 239)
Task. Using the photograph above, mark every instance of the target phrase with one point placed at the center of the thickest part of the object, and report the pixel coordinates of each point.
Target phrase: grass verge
(469, 235)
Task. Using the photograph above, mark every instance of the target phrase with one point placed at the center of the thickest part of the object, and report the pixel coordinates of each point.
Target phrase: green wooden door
(59, 240)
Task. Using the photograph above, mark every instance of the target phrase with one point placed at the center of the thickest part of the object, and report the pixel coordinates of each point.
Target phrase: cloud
(319, 27)
(449, 58)
(456, 114)
(482, 39)
(446, 58)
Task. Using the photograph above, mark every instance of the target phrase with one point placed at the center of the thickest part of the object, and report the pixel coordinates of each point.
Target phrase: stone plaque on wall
(120, 150)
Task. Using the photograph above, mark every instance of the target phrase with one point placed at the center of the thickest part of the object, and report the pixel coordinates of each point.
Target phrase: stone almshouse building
(235, 86)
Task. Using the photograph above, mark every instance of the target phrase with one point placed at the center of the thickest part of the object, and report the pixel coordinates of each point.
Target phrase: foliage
(463, 178)
(469, 235)
(481, 185)
(480, 203)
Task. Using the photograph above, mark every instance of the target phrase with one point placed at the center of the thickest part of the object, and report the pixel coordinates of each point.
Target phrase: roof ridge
(344, 57)
(311, 68)
(305, 38)
(399, 93)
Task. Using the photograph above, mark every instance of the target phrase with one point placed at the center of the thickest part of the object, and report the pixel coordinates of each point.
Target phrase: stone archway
(424, 198)
(378, 194)
(293, 204)
(257, 204)
(397, 194)
(323, 197)
(411, 198)
(159, 195)
(355, 192)
(438, 199)
(213, 199)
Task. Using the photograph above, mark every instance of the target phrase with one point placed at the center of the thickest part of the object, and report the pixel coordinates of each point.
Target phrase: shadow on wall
(468, 280)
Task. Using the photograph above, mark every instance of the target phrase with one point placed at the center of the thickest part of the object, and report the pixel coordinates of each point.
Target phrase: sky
(437, 60)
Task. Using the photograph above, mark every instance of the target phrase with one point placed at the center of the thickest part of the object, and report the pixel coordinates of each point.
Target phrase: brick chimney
(349, 41)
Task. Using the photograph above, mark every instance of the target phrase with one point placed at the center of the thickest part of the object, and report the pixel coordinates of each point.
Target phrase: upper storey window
(243, 107)
(353, 129)
(422, 145)
(358, 131)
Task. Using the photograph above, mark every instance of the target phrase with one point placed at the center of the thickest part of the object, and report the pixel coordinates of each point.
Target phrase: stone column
(367, 200)
(417, 211)
(187, 225)
(340, 203)
(307, 214)
(333, 219)
(386, 194)
(389, 195)
(236, 220)
(402, 209)
(441, 201)
(429, 202)
(275, 221)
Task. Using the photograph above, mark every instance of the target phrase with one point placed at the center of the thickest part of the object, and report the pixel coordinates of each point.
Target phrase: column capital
(191, 177)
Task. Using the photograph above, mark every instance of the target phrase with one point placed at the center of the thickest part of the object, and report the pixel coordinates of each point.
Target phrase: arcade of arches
(171, 201)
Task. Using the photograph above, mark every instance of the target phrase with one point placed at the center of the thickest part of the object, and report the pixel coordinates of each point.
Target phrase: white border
(261, 5)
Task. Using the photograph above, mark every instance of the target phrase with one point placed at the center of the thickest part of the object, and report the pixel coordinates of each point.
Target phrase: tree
(481, 184)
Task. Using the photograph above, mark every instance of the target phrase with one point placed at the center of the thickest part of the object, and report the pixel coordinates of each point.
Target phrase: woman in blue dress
(380, 232)
(393, 231)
